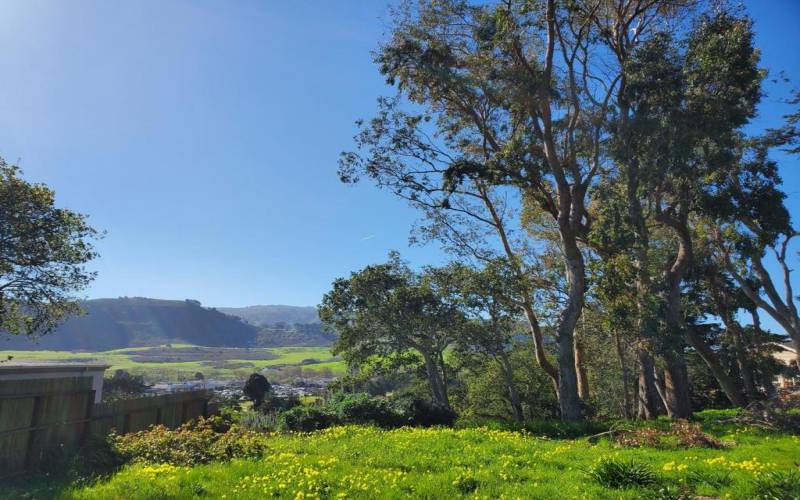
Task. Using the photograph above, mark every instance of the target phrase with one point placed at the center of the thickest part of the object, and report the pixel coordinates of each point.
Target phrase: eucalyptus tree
(753, 222)
(43, 253)
(509, 100)
(388, 310)
(686, 99)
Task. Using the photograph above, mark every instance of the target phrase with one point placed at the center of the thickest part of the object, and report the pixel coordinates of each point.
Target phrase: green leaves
(43, 250)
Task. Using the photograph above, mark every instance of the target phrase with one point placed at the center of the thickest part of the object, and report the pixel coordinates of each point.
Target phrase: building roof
(17, 367)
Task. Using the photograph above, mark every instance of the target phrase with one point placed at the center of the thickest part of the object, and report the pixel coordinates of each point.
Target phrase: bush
(276, 404)
(192, 443)
(420, 412)
(306, 419)
(777, 486)
(623, 474)
(559, 429)
(239, 443)
(364, 409)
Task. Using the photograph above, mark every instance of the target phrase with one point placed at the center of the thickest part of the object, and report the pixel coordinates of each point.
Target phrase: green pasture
(124, 359)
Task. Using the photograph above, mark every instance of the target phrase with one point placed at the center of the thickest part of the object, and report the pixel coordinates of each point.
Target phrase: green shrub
(777, 486)
(564, 430)
(306, 419)
(623, 474)
(192, 443)
(713, 416)
(364, 409)
(422, 413)
(239, 443)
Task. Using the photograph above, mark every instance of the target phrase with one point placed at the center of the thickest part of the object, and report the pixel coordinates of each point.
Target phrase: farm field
(175, 361)
(365, 462)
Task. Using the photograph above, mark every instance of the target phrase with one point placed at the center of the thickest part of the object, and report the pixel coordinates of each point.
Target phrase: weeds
(618, 474)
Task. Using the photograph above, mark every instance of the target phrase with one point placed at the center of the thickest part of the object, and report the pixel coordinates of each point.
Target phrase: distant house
(787, 355)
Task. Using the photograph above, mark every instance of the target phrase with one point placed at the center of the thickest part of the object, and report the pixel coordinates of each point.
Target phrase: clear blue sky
(203, 136)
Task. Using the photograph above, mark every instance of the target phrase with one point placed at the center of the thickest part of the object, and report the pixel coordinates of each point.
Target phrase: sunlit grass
(123, 359)
(360, 462)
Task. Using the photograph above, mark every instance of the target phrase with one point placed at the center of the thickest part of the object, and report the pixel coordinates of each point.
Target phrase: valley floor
(175, 361)
(364, 462)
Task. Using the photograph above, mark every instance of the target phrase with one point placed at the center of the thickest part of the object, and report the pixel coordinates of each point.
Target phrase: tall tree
(512, 94)
(388, 309)
(43, 252)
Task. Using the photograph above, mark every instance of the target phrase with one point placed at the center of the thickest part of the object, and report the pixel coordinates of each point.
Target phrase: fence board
(38, 415)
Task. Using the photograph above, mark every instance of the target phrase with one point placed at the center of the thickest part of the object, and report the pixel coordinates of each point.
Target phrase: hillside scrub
(367, 462)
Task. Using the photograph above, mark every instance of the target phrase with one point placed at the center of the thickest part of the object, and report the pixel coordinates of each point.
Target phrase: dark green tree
(388, 310)
(43, 252)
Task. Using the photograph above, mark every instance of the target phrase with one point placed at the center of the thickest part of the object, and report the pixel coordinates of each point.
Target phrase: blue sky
(203, 136)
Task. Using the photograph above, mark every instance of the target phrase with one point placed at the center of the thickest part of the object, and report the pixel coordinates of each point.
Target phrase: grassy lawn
(131, 359)
(363, 462)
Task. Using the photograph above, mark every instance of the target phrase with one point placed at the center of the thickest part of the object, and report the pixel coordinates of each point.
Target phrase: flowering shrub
(192, 443)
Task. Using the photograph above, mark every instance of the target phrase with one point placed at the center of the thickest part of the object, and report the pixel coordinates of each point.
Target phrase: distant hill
(272, 315)
(137, 321)
(125, 322)
(298, 334)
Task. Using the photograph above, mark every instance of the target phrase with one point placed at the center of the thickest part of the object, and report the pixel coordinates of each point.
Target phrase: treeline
(593, 169)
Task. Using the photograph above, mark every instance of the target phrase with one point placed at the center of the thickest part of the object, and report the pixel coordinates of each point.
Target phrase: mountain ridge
(110, 323)
(262, 315)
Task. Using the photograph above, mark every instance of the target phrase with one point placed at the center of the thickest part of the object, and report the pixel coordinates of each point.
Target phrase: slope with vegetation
(726, 461)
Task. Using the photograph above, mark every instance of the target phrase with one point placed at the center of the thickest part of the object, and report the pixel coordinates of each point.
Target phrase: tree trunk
(647, 407)
(743, 361)
(513, 394)
(676, 385)
(580, 369)
(733, 330)
(729, 385)
(435, 382)
(626, 398)
(568, 398)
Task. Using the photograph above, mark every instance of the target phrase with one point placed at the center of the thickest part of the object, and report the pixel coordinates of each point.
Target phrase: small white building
(787, 355)
(11, 371)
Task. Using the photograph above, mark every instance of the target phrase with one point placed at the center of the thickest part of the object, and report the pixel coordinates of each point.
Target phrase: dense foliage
(594, 172)
(43, 253)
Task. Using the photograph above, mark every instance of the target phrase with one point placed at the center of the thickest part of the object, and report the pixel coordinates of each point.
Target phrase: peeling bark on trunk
(580, 369)
(647, 404)
(568, 399)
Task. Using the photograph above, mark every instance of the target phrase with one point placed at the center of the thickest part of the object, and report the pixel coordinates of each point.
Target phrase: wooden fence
(40, 416)
(131, 415)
